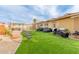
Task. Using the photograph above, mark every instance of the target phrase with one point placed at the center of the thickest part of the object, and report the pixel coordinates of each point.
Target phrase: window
(46, 24)
(41, 25)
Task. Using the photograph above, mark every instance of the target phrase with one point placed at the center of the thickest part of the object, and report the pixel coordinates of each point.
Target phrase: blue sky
(26, 13)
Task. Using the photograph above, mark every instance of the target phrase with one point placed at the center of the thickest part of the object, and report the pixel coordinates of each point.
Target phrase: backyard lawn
(47, 43)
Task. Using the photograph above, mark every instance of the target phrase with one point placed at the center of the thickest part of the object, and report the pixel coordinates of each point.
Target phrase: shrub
(47, 30)
(40, 29)
(63, 33)
(8, 32)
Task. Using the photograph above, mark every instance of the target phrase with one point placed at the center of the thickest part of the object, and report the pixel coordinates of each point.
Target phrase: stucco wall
(76, 24)
(42, 24)
(70, 23)
(51, 24)
(66, 23)
(2, 30)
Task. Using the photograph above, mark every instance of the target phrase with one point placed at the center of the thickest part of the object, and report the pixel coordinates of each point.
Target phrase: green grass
(47, 43)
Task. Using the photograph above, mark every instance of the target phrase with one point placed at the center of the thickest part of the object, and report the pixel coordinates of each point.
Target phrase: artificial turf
(47, 43)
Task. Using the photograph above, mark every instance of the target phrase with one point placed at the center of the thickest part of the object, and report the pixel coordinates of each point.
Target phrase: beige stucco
(20, 26)
(67, 23)
(70, 22)
(51, 24)
(76, 23)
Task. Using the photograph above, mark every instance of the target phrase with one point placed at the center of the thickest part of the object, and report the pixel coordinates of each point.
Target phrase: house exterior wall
(42, 25)
(67, 23)
(76, 23)
(2, 29)
(20, 27)
(27, 27)
(15, 26)
(51, 24)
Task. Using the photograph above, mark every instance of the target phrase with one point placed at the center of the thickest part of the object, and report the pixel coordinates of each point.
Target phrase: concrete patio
(7, 45)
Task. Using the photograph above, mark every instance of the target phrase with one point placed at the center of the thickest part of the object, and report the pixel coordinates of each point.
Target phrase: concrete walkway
(8, 46)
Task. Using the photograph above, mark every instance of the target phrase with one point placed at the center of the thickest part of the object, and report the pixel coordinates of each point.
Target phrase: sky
(26, 13)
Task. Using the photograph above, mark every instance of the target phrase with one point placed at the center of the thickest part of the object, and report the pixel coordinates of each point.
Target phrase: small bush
(63, 33)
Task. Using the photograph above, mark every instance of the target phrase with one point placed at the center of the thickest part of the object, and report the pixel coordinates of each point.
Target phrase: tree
(34, 20)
